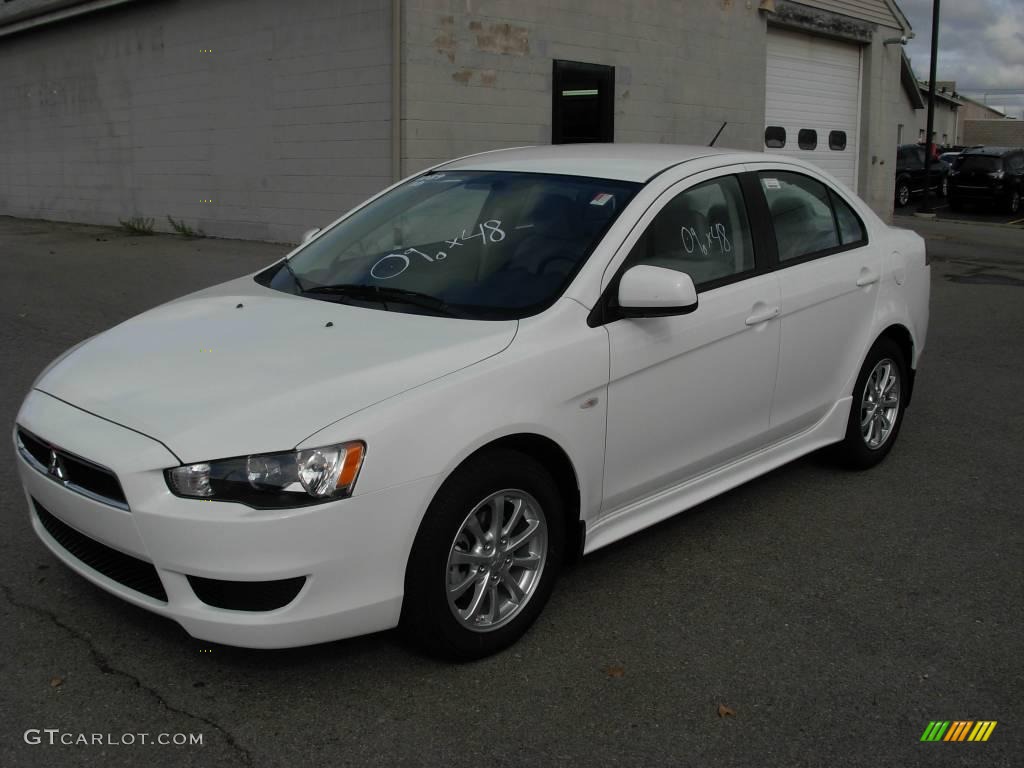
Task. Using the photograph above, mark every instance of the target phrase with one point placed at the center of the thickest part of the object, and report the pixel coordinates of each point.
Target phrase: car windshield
(979, 163)
(473, 244)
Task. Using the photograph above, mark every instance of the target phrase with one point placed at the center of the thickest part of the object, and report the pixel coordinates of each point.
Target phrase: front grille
(246, 595)
(124, 569)
(77, 474)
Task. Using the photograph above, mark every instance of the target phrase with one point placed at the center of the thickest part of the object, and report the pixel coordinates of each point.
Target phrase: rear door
(828, 274)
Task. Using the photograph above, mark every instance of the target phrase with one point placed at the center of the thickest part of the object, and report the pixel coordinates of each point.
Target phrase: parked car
(497, 364)
(948, 158)
(990, 176)
(910, 173)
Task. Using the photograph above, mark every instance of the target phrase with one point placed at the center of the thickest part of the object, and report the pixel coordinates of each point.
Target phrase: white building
(259, 119)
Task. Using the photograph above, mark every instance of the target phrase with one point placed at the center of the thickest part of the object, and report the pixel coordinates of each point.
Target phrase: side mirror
(309, 234)
(646, 291)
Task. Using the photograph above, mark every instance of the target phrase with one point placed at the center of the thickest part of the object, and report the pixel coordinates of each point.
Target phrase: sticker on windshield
(601, 198)
(771, 184)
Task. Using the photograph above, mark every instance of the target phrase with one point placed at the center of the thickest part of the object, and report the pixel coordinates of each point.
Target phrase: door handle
(763, 316)
(867, 277)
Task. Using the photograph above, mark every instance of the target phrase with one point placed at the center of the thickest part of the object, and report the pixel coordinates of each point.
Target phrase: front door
(691, 392)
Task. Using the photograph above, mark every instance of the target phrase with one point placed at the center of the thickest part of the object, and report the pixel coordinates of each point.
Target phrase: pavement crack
(104, 665)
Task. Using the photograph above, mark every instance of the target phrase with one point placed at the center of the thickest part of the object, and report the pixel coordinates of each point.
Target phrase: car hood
(240, 368)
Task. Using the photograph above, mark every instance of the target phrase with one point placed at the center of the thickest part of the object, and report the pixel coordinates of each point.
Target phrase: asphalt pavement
(833, 614)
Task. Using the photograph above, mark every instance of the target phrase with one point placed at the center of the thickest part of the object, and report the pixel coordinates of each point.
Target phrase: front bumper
(351, 554)
(976, 192)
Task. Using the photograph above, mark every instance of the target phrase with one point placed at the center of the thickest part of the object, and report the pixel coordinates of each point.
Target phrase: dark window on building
(837, 139)
(775, 137)
(807, 138)
(583, 103)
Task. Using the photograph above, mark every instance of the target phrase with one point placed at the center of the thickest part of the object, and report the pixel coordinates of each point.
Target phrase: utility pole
(929, 148)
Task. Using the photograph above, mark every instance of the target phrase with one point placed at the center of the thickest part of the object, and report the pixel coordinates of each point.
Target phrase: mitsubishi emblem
(56, 468)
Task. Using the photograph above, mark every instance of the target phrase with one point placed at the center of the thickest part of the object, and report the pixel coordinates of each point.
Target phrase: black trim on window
(766, 250)
(837, 140)
(775, 137)
(807, 138)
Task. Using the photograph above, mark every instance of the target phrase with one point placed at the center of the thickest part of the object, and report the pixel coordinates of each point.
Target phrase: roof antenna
(718, 134)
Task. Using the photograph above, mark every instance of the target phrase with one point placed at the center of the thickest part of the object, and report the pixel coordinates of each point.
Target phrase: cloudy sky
(981, 47)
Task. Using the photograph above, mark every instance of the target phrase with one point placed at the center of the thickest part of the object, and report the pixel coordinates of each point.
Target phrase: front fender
(538, 385)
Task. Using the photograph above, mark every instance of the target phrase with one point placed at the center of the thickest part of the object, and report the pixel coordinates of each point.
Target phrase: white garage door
(813, 92)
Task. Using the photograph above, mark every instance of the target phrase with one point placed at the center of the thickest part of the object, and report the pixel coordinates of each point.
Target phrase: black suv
(910, 173)
(989, 175)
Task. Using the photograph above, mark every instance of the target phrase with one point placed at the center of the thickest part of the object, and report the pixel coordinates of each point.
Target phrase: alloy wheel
(1015, 202)
(880, 404)
(496, 560)
(903, 194)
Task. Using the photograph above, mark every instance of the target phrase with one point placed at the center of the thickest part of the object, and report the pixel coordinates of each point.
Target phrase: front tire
(876, 412)
(485, 558)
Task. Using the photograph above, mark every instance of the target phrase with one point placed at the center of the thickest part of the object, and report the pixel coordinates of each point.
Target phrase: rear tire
(876, 412)
(470, 589)
(902, 193)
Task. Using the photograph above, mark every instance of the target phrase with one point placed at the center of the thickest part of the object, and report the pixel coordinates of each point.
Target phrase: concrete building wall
(905, 116)
(883, 106)
(247, 118)
(946, 127)
(994, 133)
(479, 76)
(973, 110)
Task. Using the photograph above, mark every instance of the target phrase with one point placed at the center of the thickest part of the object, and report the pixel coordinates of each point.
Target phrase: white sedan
(424, 410)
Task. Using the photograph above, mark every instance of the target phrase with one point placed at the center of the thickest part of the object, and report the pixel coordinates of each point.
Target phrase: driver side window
(703, 232)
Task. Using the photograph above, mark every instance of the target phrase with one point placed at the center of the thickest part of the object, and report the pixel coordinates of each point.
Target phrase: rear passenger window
(801, 213)
(703, 232)
(851, 229)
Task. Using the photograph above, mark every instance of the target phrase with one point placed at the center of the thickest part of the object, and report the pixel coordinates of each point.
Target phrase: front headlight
(273, 480)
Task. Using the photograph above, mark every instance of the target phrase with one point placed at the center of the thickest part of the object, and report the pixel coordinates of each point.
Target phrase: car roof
(990, 151)
(625, 162)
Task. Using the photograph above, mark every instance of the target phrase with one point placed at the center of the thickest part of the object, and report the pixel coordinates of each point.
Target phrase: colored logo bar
(959, 730)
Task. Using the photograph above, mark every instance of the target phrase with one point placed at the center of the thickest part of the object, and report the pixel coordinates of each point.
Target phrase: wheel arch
(901, 336)
(555, 460)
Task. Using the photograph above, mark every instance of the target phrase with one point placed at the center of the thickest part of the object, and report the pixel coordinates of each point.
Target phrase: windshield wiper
(295, 277)
(385, 294)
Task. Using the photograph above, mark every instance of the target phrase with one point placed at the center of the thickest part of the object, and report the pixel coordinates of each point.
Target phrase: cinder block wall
(994, 133)
(477, 76)
(248, 118)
